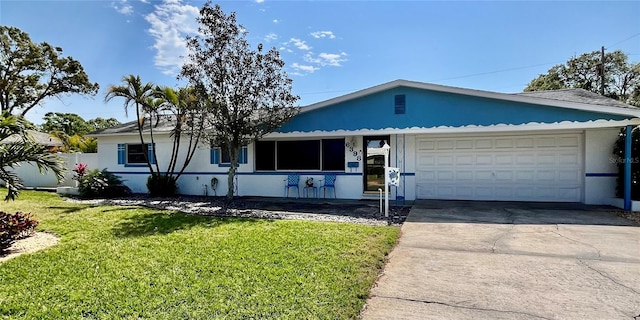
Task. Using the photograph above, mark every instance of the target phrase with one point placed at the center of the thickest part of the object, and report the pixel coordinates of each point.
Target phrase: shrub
(102, 184)
(160, 185)
(14, 227)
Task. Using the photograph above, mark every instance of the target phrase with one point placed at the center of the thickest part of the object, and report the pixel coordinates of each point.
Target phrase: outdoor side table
(313, 190)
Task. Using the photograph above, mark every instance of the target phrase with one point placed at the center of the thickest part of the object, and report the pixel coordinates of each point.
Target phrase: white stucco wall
(600, 167)
(349, 184)
(599, 184)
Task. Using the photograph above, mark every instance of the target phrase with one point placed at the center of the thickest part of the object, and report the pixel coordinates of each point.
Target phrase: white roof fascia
(533, 126)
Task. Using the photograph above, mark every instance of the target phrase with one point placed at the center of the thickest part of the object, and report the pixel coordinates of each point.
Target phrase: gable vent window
(400, 104)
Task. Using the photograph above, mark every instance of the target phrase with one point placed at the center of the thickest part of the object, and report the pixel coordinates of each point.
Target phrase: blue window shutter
(122, 153)
(214, 156)
(244, 154)
(150, 147)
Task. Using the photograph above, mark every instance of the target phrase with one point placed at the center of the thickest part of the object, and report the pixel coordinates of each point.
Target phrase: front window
(326, 155)
(136, 153)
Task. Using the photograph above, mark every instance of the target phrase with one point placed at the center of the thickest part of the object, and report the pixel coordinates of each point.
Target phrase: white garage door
(511, 168)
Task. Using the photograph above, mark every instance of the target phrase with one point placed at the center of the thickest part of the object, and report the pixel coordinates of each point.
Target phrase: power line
(621, 41)
(497, 71)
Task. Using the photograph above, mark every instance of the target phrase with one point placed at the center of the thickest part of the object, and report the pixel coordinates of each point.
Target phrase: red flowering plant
(80, 170)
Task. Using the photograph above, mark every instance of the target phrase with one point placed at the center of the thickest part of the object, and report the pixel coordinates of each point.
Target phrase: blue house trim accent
(122, 153)
(595, 174)
(627, 168)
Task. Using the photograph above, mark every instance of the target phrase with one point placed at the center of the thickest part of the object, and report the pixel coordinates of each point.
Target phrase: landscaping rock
(361, 212)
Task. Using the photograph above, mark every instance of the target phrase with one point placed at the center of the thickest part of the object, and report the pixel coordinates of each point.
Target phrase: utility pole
(601, 71)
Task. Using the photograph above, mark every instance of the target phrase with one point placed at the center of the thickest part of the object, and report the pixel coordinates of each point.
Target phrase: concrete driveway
(484, 260)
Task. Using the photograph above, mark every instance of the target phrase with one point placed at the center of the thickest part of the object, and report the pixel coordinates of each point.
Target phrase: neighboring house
(449, 143)
(52, 143)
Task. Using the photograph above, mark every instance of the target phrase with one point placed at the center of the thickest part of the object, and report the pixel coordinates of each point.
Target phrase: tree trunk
(233, 155)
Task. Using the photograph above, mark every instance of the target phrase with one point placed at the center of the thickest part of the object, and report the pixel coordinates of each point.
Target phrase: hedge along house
(449, 143)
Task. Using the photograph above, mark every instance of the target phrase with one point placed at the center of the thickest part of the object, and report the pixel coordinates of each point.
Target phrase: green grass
(130, 262)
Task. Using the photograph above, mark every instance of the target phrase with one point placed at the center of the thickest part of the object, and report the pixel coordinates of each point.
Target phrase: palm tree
(25, 150)
(135, 94)
(183, 105)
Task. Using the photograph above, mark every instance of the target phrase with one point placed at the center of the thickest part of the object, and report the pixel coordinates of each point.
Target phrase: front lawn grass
(131, 262)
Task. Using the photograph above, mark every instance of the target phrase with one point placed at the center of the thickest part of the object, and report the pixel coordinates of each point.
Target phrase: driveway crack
(463, 307)
(513, 225)
(605, 275)
(580, 242)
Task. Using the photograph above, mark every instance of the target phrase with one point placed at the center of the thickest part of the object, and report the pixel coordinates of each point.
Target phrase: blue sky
(331, 48)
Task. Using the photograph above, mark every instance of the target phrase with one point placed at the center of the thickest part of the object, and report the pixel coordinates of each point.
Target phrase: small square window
(224, 156)
(136, 153)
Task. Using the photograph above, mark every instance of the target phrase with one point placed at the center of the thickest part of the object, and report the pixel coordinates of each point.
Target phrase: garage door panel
(484, 160)
(445, 144)
(547, 159)
(464, 176)
(464, 144)
(484, 176)
(484, 143)
(503, 175)
(546, 142)
(426, 160)
(568, 159)
(526, 168)
(568, 141)
(524, 142)
(446, 176)
(444, 160)
(426, 145)
(503, 143)
(503, 159)
(465, 159)
(464, 192)
(569, 176)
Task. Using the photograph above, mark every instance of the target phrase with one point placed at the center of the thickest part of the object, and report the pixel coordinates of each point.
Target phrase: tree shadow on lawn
(163, 222)
(73, 209)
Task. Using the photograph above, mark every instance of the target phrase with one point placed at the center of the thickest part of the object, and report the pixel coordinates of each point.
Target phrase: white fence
(32, 177)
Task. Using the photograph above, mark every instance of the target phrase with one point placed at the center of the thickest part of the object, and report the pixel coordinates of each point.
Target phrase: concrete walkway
(483, 260)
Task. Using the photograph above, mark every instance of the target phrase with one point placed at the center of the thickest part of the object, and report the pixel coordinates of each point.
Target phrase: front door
(374, 163)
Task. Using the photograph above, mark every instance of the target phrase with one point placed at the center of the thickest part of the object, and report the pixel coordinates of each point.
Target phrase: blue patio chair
(292, 181)
(329, 183)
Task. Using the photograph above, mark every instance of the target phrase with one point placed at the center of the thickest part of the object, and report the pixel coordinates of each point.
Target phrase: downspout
(627, 168)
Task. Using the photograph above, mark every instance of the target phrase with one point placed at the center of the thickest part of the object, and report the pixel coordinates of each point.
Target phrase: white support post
(386, 148)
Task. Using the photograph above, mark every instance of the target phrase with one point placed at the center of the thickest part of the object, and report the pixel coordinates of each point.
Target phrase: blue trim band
(596, 174)
(265, 173)
(141, 165)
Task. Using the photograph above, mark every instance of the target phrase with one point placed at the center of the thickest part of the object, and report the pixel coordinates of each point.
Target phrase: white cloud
(271, 37)
(300, 44)
(275, 21)
(305, 68)
(123, 7)
(323, 34)
(144, 1)
(326, 59)
(170, 22)
(259, 1)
